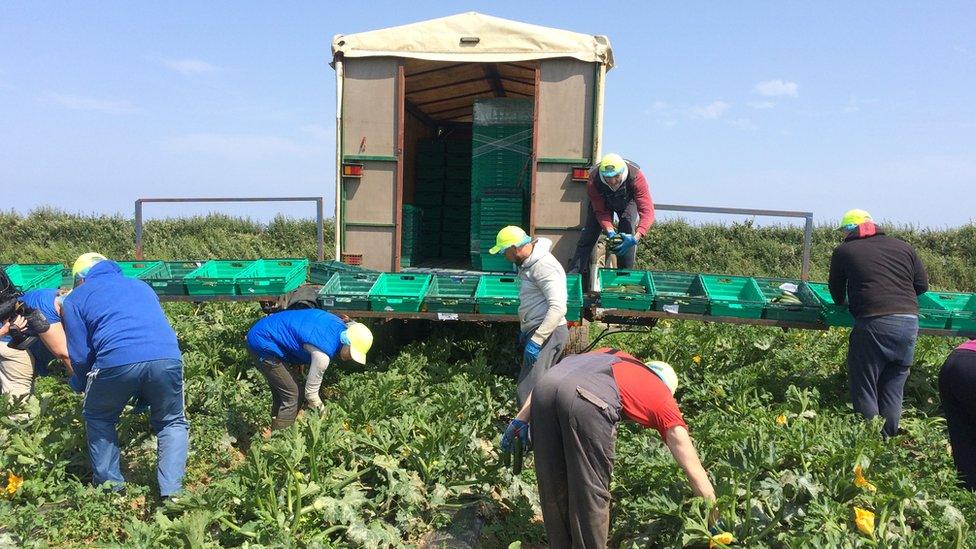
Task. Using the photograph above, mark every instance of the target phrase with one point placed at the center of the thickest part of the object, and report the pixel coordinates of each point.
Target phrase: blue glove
(516, 428)
(629, 242)
(611, 234)
(76, 384)
(531, 353)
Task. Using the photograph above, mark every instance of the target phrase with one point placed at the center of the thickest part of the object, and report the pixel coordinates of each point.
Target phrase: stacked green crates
(500, 174)
(443, 191)
(399, 292)
(411, 236)
(451, 294)
(347, 291)
(498, 294)
(574, 297)
(774, 291)
(273, 276)
(676, 292)
(733, 296)
(26, 277)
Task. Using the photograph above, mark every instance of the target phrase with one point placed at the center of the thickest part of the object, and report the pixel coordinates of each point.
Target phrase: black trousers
(957, 389)
(285, 393)
(628, 219)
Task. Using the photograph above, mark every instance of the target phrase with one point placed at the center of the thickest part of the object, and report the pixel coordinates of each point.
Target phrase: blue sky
(744, 104)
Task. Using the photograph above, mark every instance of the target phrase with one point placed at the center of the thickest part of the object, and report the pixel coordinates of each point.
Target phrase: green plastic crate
(574, 297)
(217, 277)
(321, 271)
(347, 291)
(452, 294)
(458, 147)
(34, 276)
(430, 172)
(491, 263)
(631, 300)
(933, 311)
(806, 311)
(734, 296)
(677, 292)
(833, 314)
(457, 173)
(169, 279)
(399, 292)
(273, 276)
(139, 269)
(498, 294)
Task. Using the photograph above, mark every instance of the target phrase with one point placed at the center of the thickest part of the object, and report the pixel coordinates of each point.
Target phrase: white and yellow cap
(84, 263)
(508, 237)
(359, 339)
(664, 371)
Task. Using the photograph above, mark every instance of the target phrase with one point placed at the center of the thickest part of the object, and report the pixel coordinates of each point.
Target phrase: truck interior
(440, 225)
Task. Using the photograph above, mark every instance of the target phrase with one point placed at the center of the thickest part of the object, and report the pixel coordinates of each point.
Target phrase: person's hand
(18, 325)
(313, 401)
(516, 428)
(611, 234)
(531, 353)
(4, 329)
(76, 384)
(628, 242)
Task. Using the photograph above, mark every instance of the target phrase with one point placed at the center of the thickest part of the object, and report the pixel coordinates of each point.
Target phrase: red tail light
(352, 170)
(581, 173)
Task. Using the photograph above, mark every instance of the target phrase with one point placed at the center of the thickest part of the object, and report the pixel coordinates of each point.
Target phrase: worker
(880, 277)
(121, 346)
(302, 337)
(542, 304)
(573, 414)
(16, 365)
(615, 186)
(53, 343)
(957, 385)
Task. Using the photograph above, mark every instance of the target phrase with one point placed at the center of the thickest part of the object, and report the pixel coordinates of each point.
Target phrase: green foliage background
(412, 438)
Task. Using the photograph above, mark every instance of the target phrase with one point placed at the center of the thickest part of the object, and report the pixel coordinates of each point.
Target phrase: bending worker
(542, 304)
(616, 186)
(53, 343)
(302, 337)
(573, 413)
(121, 346)
(957, 385)
(880, 277)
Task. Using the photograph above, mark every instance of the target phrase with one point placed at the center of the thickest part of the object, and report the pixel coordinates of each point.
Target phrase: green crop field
(405, 442)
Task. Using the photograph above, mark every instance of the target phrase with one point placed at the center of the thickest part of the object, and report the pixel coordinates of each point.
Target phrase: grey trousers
(879, 357)
(285, 394)
(552, 349)
(574, 416)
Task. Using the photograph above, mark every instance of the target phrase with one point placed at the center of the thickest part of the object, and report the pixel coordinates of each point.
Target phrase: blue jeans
(880, 355)
(158, 383)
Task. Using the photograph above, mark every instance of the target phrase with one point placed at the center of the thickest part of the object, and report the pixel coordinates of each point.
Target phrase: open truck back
(424, 178)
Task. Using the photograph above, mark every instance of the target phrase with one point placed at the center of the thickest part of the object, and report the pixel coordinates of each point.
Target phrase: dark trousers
(957, 389)
(879, 358)
(285, 394)
(574, 416)
(627, 213)
(552, 349)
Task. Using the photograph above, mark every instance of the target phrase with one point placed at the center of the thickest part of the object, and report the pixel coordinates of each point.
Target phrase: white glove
(313, 401)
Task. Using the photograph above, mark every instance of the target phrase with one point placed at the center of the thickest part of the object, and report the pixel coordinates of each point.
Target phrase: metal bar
(535, 152)
(460, 317)
(368, 158)
(218, 298)
(400, 131)
(807, 248)
(139, 229)
(576, 161)
(623, 316)
(317, 200)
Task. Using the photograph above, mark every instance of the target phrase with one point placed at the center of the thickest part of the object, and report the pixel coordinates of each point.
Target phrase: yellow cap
(508, 237)
(85, 262)
(853, 218)
(360, 340)
(612, 164)
(666, 373)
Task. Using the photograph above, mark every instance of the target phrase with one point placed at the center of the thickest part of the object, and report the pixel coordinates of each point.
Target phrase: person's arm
(603, 217)
(56, 341)
(526, 411)
(80, 351)
(313, 382)
(19, 323)
(837, 279)
(683, 450)
(921, 281)
(645, 206)
(553, 285)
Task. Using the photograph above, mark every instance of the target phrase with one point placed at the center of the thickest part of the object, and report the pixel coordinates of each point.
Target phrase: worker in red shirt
(573, 412)
(616, 186)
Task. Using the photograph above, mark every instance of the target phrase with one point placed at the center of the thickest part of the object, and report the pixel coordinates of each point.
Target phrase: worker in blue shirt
(53, 343)
(302, 337)
(121, 346)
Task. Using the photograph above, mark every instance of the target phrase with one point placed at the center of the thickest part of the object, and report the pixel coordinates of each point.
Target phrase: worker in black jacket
(880, 277)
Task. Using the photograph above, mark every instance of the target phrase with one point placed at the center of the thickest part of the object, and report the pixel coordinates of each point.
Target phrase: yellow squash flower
(864, 520)
(862, 482)
(13, 484)
(725, 538)
(696, 359)
(781, 419)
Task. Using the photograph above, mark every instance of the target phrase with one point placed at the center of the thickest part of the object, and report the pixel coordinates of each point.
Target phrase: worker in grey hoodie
(542, 304)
